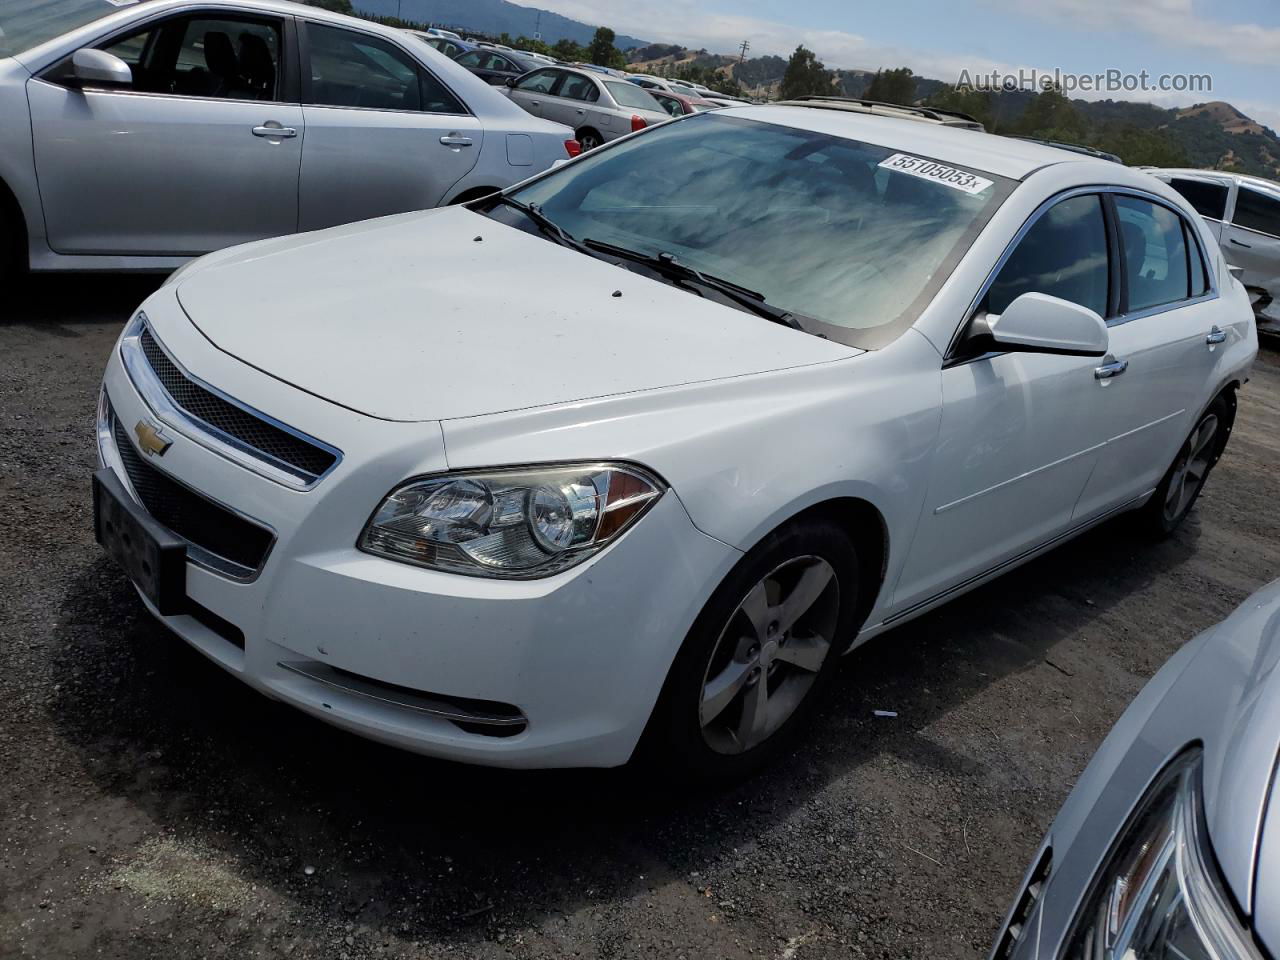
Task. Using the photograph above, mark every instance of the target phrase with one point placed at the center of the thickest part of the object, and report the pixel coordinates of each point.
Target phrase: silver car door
(384, 134)
(200, 152)
(575, 97)
(1252, 241)
(534, 89)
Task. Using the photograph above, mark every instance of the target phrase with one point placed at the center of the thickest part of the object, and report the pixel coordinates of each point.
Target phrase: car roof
(1003, 156)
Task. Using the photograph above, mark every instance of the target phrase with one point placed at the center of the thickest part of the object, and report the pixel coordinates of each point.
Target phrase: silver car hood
(1240, 772)
(446, 314)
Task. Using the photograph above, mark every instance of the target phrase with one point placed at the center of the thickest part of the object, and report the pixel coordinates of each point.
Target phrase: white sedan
(624, 459)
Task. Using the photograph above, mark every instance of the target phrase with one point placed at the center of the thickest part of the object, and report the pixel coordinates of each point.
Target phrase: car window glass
(132, 49)
(792, 214)
(1064, 255)
(1209, 199)
(471, 59)
(234, 60)
(350, 69)
(577, 87)
(1155, 253)
(1257, 211)
(629, 95)
(670, 104)
(540, 82)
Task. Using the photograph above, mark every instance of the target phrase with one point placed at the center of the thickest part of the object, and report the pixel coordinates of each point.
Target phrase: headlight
(514, 524)
(1159, 896)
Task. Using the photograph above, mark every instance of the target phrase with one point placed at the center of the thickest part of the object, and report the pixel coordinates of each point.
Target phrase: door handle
(1110, 370)
(535, 103)
(1216, 336)
(581, 112)
(274, 131)
(455, 140)
(1247, 246)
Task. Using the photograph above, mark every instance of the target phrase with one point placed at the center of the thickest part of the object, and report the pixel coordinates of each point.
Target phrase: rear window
(28, 23)
(629, 95)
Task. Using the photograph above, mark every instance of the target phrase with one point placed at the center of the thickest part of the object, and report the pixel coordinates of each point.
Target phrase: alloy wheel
(768, 654)
(1192, 467)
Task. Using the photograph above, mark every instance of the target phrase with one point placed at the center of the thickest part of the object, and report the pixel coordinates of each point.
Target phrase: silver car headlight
(515, 524)
(1159, 896)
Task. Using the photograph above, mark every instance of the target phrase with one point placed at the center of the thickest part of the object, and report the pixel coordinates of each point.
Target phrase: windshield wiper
(669, 266)
(544, 223)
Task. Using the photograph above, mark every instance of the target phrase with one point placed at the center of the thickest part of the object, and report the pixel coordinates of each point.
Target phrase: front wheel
(765, 644)
(1186, 476)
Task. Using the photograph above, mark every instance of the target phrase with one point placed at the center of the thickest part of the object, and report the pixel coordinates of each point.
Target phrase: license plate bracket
(151, 555)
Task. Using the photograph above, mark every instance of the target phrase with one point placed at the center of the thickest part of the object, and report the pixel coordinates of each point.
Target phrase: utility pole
(537, 27)
(745, 46)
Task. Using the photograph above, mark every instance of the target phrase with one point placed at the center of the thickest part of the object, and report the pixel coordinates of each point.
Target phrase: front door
(534, 89)
(1020, 432)
(199, 153)
(384, 135)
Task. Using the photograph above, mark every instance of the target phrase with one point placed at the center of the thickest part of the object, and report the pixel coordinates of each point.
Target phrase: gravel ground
(154, 807)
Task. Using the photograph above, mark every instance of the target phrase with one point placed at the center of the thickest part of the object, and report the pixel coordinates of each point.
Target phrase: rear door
(199, 153)
(1164, 335)
(1252, 240)
(384, 134)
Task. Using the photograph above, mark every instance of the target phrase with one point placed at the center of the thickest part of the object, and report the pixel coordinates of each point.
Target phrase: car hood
(447, 313)
(1241, 805)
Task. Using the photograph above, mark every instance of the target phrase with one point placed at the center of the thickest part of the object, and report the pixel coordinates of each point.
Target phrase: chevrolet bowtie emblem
(150, 439)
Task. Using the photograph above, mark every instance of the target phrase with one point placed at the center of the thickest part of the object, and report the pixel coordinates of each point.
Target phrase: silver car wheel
(768, 654)
(1192, 467)
(588, 141)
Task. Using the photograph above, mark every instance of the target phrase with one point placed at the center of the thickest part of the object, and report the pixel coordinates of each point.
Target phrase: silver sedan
(138, 135)
(1169, 845)
(597, 106)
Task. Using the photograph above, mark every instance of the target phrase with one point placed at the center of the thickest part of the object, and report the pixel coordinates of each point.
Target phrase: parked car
(1243, 214)
(446, 34)
(598, 108)
(661, 83)
(496, 67)
(539, 57)
(134, 136)
(626, 456)
(450, 48)
(1169, 845)
(680, 105)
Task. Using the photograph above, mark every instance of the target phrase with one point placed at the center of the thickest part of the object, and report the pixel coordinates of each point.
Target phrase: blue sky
(1237, 42)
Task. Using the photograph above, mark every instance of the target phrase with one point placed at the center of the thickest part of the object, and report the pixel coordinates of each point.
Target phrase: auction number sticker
(951, 177)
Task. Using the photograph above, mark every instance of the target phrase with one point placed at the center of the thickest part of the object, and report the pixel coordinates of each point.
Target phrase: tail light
(637, 122)
(573, 148)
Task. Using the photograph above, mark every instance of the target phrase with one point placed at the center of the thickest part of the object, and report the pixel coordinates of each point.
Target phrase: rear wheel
(764, 646)
(1186, 476)
(588, 139)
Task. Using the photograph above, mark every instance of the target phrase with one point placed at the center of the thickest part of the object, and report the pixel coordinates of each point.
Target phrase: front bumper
(576, 661)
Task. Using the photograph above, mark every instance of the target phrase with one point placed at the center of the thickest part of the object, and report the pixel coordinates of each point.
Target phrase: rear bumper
(561, 671)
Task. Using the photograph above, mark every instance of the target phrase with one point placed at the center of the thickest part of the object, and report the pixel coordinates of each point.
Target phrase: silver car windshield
(28, 23)
(854, 236)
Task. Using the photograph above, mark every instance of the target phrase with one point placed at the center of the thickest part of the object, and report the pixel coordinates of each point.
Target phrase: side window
(540, 82)
(1209, 199)
(1155, 253)
(471, 59)
(1199, 271)
(226, 58)
(1064, 255)
(1257, 211)
(350, 69)
(578, 87)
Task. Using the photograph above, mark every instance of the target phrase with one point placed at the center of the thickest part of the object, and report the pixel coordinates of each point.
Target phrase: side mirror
(1039, 323)
(97, 68)
(510, 82)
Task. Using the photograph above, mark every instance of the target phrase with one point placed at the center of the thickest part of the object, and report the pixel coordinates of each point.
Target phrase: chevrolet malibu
(1169, 846)
(623, 458)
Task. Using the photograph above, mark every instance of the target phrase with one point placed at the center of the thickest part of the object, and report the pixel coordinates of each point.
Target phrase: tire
(702, 727)
(10, 262)
(588, 139)
(1186, 476)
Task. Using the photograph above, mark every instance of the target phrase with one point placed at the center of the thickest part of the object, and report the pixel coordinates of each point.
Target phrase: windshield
(28, 23)
(855, 236)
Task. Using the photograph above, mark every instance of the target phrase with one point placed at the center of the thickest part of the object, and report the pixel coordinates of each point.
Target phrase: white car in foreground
(631, 454)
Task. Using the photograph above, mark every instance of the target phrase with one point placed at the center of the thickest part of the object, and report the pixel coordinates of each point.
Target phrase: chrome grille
(307, 459)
